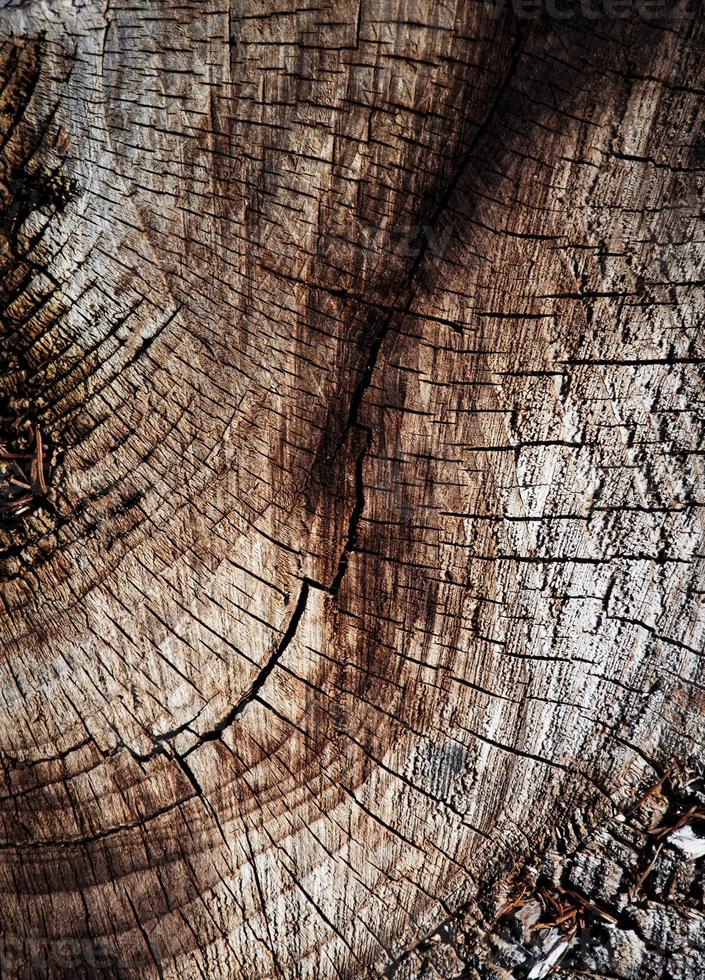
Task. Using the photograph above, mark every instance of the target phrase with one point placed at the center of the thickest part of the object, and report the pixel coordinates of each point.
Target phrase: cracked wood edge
(366, 340)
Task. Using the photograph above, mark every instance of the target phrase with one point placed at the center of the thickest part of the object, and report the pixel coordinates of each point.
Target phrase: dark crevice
(257, 685)
(189, 773)
(401, 306)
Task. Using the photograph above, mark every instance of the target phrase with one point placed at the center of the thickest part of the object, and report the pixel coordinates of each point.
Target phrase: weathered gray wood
(365, 341)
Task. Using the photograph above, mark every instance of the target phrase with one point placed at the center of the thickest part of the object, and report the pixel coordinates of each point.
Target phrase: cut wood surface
(351, 490)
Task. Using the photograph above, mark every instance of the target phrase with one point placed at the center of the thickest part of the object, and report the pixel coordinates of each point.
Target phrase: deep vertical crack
(401, 305)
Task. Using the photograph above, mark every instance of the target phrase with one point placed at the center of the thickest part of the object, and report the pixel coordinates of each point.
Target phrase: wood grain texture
(366, 343)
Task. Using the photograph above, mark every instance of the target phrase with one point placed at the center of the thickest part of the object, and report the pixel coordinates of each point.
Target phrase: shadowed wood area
(351, 490)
